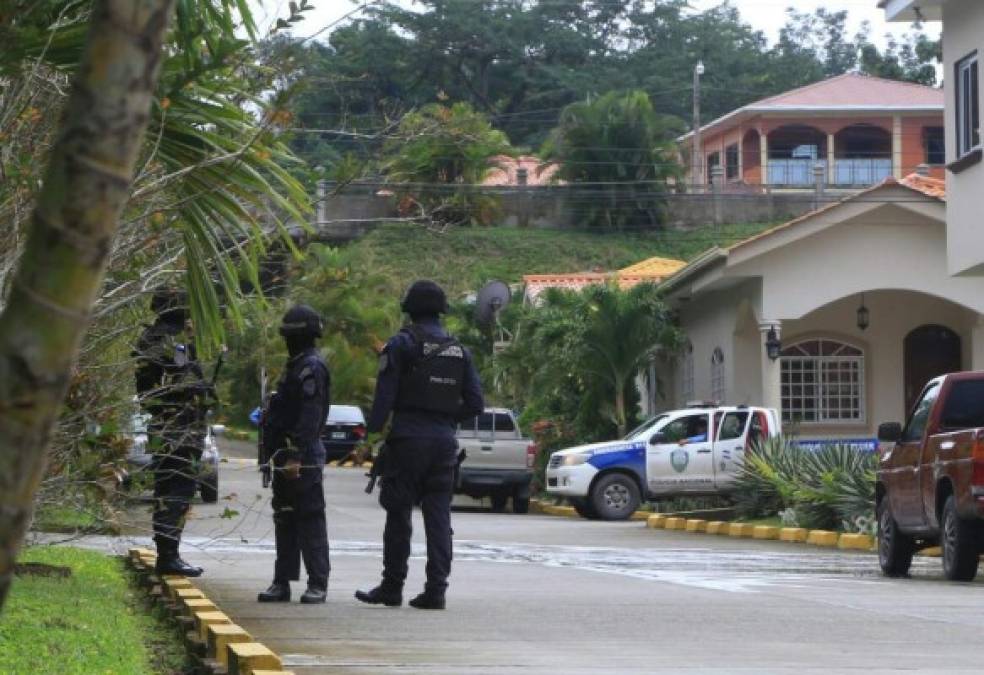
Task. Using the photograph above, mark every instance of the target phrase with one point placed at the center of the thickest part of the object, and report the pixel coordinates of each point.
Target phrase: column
(764, 156)
(977, 344)
(771, 369)
(897, 146)
(831, 159)
(741, 155)
(322, 210)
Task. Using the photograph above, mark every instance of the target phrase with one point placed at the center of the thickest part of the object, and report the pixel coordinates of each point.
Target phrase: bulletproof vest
(434, 379)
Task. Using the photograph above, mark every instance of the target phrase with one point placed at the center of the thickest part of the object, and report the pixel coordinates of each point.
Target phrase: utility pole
(697, 156)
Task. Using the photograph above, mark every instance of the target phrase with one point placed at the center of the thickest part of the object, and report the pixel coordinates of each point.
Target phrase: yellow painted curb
(187, 594)
(554, 510)
(696, 525)
(333, 462)
(245, 658)
(675, 524)
(765, 532)
(348, 464)
(205, 619)
(640, 515)
(822, 538)
(797, 534)
(717, 527)
(932, 552)
(220, 636)
(856, 542)
(172, 585)
(741, 530)
(656, 521)
(192, 605)
(273, 672)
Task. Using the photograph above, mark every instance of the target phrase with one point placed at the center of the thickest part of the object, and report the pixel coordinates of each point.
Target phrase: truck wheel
(209, 489)
(615, 497)
(521, 504)
(895, 550)
(584, 508)
(960, 549)
(498, 503)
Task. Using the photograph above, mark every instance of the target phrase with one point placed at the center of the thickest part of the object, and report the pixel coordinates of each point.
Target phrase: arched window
(822, 382)
(717, 375)
(687, 374)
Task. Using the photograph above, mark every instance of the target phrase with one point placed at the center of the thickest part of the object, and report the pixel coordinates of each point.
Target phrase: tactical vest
(434, 379)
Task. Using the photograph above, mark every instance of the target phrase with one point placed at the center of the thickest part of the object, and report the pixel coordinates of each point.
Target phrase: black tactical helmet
(424, 297)
(301, 320)
(170, 304)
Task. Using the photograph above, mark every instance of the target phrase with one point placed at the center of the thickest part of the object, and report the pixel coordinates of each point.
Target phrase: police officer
(292, 428)
(428, 382)
(172, 389)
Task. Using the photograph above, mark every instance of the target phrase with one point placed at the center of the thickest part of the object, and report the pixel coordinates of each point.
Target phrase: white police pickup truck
(696, 451)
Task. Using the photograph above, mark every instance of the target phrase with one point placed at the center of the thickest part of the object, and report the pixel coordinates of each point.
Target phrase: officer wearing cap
(292, 425)
(172, 389)
(427, 383)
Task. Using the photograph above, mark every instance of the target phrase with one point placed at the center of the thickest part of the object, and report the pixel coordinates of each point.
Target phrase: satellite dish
(491, 300)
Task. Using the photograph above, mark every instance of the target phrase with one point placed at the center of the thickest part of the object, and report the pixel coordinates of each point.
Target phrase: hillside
(462, 259)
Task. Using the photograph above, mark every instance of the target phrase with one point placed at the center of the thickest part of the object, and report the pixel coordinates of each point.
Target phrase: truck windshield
(964, 408)
(645, 426)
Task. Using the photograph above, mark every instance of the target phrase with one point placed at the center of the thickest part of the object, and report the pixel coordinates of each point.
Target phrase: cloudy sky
(767, 15)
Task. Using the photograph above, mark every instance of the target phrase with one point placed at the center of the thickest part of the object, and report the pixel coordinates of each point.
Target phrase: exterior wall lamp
(772, 344)
(864, 316)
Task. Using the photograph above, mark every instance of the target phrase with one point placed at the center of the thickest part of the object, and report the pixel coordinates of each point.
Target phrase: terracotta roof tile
(651, 270)
(931, 187)
(852, 89)
(660, 267)
(505, 169)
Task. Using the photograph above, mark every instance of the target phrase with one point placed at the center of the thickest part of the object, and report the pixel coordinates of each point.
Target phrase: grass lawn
(773, 521)
(464, 258)
(90, 622)
(55, 518)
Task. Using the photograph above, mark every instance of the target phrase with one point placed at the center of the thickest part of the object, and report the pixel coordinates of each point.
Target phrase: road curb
(216, 644)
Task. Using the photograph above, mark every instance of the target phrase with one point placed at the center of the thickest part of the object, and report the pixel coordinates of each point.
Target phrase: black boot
(428, 601)
(381, 596)
(276, 593)
(171, 563)
(314, 595)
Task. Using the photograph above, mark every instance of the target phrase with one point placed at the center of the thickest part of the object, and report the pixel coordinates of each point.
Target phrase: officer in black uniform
(428, 382)
(172, 389)
(292, 426)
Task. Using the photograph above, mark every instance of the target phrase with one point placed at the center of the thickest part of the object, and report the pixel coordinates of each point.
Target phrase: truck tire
(584, 508)
(521, 504)
(895, 549)
(615, 496)
(209, 489)
(960, 547)
(498, 503)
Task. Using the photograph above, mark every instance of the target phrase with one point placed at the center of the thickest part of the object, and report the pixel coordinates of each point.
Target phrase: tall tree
(69, 242)
(622, 151)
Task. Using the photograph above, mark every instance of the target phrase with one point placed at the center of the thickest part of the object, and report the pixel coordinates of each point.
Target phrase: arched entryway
(863, 155)
(794, 151)
(929, 351)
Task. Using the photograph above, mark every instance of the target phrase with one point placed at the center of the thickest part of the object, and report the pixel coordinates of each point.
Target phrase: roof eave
(696, 267)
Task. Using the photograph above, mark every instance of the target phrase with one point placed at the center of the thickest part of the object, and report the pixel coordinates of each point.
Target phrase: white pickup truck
(696, 451)
(498, 461)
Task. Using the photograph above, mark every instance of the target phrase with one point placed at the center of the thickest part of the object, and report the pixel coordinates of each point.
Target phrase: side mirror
(658, 438)
(890, 432)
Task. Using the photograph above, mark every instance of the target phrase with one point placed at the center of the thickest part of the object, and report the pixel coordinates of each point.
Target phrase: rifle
(263, 453)
(378, 464)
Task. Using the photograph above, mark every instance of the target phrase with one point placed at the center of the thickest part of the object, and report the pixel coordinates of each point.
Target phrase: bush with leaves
(832, 487)
(442, 152)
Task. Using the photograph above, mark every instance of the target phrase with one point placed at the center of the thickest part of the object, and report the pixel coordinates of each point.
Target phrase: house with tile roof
(651, 270)
(837, 318)
(849, 131)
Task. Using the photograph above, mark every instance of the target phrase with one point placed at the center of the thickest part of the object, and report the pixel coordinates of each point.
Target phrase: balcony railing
(861, 171)
(794, 172)
(847, 172)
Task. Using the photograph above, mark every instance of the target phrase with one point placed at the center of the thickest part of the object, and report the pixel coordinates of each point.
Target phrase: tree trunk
(620, 407)
(61, 270)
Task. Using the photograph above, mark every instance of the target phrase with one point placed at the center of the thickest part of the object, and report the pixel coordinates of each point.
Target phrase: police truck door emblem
(679, 459)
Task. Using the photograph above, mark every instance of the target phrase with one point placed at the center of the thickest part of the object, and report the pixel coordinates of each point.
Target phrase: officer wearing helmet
(172, 389)
(426, 385)
(293, 422)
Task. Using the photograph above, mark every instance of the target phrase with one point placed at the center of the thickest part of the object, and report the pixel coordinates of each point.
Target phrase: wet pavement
(534, 594)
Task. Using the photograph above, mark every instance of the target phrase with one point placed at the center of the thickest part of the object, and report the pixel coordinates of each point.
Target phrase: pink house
(853, 130)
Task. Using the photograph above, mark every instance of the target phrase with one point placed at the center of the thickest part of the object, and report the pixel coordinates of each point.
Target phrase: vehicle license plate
(338, 434)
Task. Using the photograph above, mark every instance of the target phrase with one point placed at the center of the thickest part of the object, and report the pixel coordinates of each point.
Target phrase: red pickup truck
(930, 487)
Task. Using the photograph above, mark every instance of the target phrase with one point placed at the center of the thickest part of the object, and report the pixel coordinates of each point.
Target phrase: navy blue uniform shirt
(301, 408)
(394, 361)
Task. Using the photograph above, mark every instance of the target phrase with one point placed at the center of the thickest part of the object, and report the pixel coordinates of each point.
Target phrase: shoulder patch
(309, 386)
(384, 362)
(306, 372)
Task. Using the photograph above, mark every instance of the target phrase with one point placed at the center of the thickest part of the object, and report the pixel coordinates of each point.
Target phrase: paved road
(535, 594)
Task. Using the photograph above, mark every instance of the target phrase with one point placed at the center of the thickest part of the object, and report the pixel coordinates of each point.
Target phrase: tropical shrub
(829, 488)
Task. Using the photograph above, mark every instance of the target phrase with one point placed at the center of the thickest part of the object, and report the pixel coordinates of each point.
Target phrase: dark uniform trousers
(418, 471)
(301, 530)
(175, 484)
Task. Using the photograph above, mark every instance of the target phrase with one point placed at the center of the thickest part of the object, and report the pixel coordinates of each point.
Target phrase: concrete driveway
(536, 594)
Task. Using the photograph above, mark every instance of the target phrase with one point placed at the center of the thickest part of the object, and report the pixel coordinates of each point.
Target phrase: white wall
(963, 32)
